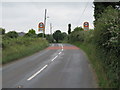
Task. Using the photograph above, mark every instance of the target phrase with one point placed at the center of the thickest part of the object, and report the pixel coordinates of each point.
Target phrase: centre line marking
(37, 73)
(54, 58)
(60, 52)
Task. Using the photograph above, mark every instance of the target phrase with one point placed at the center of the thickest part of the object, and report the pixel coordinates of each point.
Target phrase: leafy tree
(78, 29)
(63, 35)
(31, 33)
(69, 28)
(12, 34)
(101, 6)
(77, 35)
(2, 31)
(41, 35)
(50, 38)
(57, 35)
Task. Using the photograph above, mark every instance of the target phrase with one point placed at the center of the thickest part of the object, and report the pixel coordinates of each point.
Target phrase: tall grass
(16, 48)
(0, 56)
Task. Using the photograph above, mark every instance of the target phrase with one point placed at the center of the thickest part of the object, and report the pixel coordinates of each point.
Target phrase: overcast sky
(22, 16)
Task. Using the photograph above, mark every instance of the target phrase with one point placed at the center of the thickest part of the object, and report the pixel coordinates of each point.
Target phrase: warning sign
(41, 26)
(86, 26)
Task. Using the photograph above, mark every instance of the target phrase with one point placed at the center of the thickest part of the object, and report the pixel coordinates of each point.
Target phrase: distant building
(21, 33)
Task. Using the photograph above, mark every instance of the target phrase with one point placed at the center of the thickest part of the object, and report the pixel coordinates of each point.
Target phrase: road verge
(14, 49)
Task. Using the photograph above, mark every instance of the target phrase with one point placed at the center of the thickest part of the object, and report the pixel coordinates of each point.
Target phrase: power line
(83, 11)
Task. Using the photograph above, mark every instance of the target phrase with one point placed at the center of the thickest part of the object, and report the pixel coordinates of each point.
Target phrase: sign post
(86, 26)
(41, 27)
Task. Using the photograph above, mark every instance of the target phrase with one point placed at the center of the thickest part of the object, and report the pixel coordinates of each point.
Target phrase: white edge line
(37, 73)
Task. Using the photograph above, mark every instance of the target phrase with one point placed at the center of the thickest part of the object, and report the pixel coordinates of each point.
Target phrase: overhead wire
(83, 12)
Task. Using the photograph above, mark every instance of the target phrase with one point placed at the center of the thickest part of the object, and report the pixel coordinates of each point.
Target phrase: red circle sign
(86, 24)
(41, 26)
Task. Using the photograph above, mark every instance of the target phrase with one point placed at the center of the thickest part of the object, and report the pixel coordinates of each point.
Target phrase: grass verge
(103, 82)
(14, 49)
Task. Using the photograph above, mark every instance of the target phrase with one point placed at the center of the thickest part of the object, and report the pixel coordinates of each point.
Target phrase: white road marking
(54, 58)
(60, 52)
(30, 78)
(34, 75)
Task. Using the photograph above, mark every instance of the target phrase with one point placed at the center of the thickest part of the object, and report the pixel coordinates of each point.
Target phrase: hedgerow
(106, 37)
(105, 43)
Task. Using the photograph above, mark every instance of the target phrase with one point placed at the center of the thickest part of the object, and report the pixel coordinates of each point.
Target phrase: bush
(50, 38)
(88, 36)
(2, 31)
(11, 34)
(31, 33)
(76, 36)
(41, 35)
(107, 38)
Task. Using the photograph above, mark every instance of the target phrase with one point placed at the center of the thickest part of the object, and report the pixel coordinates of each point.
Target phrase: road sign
(41, 27)
(86, 26)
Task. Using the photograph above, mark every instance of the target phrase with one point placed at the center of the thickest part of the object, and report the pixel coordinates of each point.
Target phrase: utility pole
(51, 28)
(44, 22)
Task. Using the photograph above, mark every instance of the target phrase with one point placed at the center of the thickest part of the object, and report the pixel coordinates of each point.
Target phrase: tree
(69, 28)
(2, 31)
(78, 29)
(77, 35)
(57, 35)
(101, 6)
(63, 35)
(41, 35)
(12, 34)
(50, 38)
(31, 33)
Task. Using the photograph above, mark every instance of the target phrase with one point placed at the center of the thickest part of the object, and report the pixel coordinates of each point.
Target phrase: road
(58, 66)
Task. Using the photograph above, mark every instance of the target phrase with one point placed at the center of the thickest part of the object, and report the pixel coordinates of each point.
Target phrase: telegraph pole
(51, 28)
(44, 22)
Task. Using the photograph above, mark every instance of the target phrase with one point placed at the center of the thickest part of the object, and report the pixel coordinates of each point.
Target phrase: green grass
(0, 49)
(14, 49)
(103, 82)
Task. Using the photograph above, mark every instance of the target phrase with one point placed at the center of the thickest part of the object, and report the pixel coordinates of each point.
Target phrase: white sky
(22, 16)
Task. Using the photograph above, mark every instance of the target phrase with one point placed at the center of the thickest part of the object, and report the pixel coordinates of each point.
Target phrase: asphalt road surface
(58, 66)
